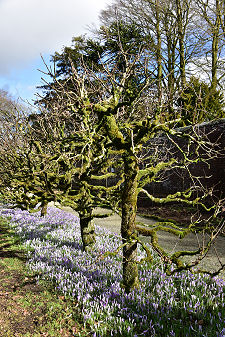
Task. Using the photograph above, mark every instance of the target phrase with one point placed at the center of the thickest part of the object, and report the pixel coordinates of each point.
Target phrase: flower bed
(182, 305)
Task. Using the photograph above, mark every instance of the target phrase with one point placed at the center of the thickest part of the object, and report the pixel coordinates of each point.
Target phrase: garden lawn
(184, 304)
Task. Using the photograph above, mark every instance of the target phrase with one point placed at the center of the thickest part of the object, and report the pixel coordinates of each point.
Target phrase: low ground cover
(28, 309)
(182, 305)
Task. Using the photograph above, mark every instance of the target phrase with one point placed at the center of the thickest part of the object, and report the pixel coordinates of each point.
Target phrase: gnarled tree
(132, 135)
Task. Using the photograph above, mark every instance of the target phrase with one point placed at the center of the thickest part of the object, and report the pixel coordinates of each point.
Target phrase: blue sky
(31, 28)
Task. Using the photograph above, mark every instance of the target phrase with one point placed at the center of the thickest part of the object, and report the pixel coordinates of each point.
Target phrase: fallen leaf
(200, 322)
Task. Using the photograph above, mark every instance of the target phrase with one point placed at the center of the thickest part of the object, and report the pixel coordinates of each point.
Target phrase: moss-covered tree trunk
(44, 206)
(87, 229)
(129, 208)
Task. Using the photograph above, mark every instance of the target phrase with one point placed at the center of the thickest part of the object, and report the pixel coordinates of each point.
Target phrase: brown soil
(15, 318)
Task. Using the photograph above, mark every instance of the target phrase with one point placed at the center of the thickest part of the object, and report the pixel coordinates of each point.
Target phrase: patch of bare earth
(15, 318)
(28, 309)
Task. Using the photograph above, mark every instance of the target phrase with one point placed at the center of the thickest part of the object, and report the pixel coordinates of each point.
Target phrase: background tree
(198, 102)
(176, 35)
(82, 51)
(179, 35)
(211, 14)
(94, 53)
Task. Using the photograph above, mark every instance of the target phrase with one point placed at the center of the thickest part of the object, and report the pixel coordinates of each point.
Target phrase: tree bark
(215, 47)
(129, 208)
(171, 54)
(44, 206)
(87, 230)
(181, 37)
(158, 53)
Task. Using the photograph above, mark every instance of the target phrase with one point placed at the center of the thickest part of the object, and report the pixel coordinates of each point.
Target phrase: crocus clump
(184, 304)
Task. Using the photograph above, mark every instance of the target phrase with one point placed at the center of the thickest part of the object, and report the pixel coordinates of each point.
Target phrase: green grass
(38, 310)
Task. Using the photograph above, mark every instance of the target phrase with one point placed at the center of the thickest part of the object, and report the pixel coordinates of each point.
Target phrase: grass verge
(28, 308)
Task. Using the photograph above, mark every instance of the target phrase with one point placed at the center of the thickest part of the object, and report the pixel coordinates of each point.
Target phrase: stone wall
(212, 173)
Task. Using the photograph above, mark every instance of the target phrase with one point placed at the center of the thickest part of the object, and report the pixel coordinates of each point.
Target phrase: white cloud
(31, 27)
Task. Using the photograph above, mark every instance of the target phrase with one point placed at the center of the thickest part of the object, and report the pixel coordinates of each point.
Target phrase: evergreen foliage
(199, 102)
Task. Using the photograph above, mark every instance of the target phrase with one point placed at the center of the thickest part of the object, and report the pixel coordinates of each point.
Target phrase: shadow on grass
(9, 242)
